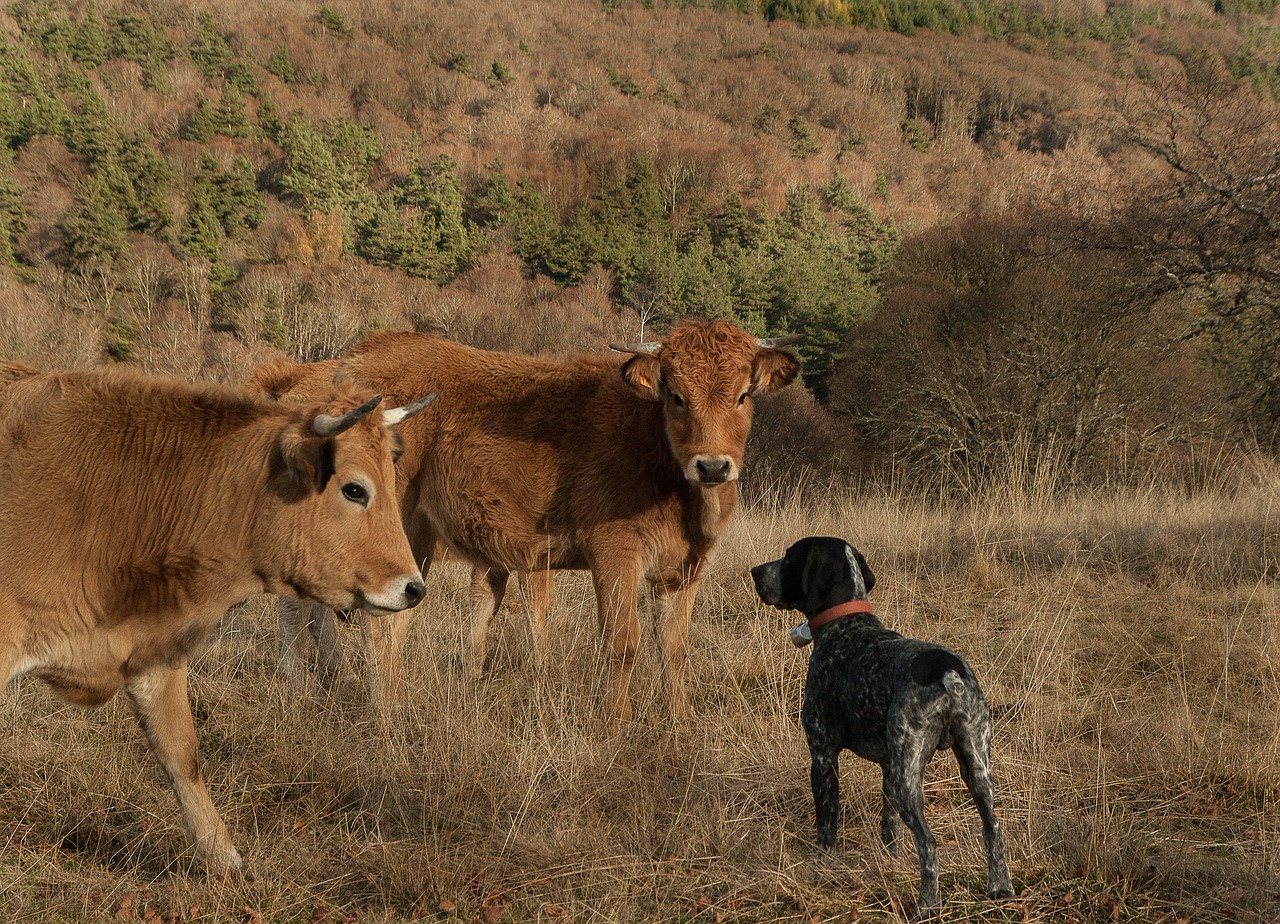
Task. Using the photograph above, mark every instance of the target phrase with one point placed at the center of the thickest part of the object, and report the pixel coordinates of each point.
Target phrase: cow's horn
(327, 425)
(772, 343)
(650, 347)
(400, 414)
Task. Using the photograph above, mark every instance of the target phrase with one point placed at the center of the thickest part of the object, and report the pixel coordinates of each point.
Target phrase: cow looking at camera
(529, 464)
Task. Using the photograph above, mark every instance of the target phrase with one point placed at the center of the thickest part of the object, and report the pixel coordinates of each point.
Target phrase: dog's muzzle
(768, 581)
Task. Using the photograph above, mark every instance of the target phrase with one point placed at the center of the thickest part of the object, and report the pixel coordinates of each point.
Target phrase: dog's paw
(917, 913)
(1002, 892)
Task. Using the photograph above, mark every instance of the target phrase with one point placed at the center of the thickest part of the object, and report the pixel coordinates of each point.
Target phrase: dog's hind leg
(973, 749)
(890, 827)
(904, 788)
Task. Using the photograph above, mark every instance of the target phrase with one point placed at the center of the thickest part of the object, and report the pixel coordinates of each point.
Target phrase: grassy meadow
(1128, 641)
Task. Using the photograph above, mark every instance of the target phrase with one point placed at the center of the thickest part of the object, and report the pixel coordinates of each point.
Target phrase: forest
(1044, 228)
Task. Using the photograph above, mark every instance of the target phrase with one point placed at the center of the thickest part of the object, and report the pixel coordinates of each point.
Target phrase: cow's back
(522, 458)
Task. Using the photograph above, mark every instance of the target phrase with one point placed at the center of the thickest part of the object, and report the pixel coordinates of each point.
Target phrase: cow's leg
(488, 586)
(672, 615)
(159, 700)
(302, 624)
(537, 589)
(619, 620)
(293, 638)
(384, 638)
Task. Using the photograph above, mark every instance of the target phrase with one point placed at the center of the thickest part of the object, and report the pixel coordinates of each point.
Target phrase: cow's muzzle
(403, 593)
(714, 470)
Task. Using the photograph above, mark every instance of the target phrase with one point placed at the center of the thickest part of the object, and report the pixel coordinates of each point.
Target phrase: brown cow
(135, 511)
(306, 626)
(534, 464)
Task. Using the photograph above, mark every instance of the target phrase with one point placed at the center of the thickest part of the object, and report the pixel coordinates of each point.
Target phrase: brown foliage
(997, 338)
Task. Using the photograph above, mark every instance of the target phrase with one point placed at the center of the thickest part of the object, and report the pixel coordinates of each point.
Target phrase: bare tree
(1210, 223)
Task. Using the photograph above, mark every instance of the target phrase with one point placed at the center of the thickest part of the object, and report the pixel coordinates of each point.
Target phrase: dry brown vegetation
(1126, 635)
(1127, 640)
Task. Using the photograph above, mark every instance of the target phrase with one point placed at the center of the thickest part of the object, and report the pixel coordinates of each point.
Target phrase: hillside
(192, 188)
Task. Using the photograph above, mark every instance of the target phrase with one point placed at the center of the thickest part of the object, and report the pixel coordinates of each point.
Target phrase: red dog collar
(838, 612)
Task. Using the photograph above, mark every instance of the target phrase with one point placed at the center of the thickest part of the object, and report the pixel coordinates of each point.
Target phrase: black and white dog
(889, 699)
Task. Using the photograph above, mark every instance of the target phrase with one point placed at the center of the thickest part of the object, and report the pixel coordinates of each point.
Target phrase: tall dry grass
(1128, 641)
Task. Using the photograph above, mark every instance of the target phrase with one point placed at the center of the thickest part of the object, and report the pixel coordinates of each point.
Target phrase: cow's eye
(742, 399)
(677, 400)
(356, 493)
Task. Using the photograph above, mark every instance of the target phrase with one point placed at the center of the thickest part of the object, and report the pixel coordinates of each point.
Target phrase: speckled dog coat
(889, 699)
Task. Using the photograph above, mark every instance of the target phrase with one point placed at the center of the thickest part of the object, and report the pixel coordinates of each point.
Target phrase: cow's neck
(712, 508)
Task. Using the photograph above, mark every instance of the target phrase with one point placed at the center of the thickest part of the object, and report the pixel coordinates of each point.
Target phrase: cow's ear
(309, 461)
(772, 370)
(644, 374)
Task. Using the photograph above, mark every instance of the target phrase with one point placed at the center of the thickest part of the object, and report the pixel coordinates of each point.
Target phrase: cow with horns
(135, 511)
(533, 465)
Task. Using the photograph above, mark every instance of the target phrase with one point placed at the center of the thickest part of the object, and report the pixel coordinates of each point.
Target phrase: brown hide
(135, 511)
(528, 464)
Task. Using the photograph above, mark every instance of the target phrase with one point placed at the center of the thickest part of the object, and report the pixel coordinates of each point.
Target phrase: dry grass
(1129, 642)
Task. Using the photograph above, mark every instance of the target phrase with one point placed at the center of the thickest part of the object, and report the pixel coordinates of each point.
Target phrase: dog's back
(868, 685)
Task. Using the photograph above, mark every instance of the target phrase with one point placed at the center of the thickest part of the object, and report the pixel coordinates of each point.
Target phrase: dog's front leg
(824, 778)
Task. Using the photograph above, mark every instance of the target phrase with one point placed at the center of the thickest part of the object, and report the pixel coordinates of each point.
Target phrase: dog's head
(816, 574)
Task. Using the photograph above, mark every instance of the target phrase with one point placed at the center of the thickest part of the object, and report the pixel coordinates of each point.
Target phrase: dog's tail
(938, 665)
(953, 682)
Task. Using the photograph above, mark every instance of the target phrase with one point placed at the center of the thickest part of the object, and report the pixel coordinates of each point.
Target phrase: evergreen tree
(90, 45)
(134, 37)
(91, 130)
(94, 229)
(269, 117)
(312, 174)
(209, 50)
(422, 229)
(10, 117)
(280, 64)
(13, 218)
(494, 200)
(234, 195)
(203, 237)
(200, 126)
(817, 288)
(151, 177)
(231, 118)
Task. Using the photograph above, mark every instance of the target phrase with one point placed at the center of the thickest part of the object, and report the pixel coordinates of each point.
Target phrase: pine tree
(151, 178)
(209, 50)
(231, 118)
(90, 45)
(13, 218)
(280, 64)
(94, 229)
(200, 126)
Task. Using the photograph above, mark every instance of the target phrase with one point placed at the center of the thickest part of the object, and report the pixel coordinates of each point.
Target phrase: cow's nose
(713, 471)
(414, 592)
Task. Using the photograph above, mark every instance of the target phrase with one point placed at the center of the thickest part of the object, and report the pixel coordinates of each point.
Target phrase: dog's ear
(819, 576)
(868, 579)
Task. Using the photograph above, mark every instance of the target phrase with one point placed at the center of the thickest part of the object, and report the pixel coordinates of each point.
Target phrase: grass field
(1128, 641)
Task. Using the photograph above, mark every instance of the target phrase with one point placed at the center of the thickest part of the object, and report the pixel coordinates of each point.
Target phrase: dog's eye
(356, 493)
